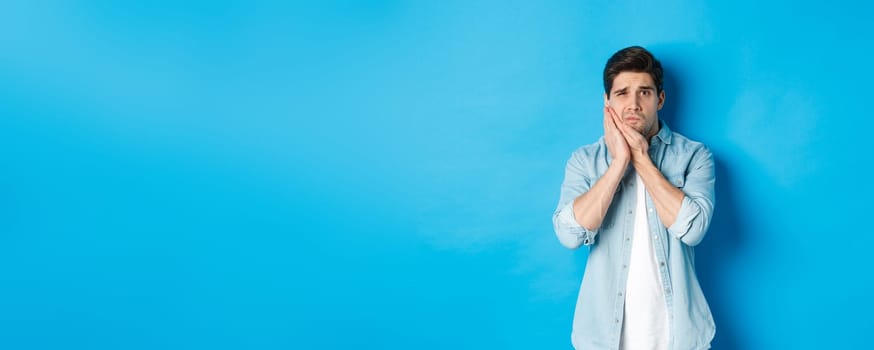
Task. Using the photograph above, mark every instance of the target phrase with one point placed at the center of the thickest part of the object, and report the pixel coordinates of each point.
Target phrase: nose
(635, 103)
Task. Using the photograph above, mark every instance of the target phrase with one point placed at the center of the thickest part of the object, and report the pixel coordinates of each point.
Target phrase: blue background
(382, 174)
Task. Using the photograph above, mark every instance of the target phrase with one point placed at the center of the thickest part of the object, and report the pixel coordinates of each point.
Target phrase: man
(640, 198)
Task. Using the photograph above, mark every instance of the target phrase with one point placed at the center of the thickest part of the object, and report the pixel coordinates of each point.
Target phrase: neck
(653, 132)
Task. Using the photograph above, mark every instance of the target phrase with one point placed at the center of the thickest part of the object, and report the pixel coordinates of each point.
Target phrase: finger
(613, 114)
(609, 122)
(625, 128)
(622, 127)
(630, 134)
(609, 128)
(628, 138)
(616, 119)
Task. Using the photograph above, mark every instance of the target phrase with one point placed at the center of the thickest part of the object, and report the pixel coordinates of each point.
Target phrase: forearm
(666, 198)
(591, 207)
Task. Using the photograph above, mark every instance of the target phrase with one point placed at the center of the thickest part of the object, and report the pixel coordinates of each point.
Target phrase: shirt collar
(664, 134)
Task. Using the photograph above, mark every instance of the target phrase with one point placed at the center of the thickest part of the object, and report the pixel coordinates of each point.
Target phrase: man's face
(634, 98)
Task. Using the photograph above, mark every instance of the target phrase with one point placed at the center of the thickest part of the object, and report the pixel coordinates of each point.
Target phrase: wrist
(620, 163)
(622, 159)
(642, 161)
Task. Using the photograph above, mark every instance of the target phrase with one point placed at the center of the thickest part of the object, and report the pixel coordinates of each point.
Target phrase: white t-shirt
(646, 310)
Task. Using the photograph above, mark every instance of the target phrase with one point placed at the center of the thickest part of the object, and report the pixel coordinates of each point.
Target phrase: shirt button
(620, 294)
(650, 210)
(616, 320)
(655, 237)
(629, 211)
(662, 263)
(624, 266)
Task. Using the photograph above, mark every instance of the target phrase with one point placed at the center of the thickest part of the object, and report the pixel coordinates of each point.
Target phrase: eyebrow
(625, 89)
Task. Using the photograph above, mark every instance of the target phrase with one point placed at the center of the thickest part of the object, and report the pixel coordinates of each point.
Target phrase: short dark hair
(632, 59)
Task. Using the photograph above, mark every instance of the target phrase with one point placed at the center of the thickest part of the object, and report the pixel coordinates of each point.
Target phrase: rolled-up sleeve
(696, 210)
(570, 233)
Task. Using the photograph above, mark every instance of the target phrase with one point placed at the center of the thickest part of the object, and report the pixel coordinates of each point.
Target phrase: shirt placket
(657, 152)
(627, 185)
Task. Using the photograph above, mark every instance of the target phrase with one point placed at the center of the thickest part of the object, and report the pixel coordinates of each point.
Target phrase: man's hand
(591, 206)
(667, 198)
(616, 142)
(636, 143)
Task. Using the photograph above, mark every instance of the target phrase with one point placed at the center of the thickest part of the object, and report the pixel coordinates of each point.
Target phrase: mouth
(632, 119)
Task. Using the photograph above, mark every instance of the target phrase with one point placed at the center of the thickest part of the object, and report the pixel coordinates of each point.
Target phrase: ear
(607, 100)
(661, 99)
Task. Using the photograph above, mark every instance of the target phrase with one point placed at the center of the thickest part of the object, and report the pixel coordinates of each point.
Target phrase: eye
(645, 92)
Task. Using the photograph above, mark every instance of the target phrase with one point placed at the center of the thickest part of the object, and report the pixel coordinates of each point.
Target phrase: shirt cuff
(683, 223)
(566, 215)
(567, 219)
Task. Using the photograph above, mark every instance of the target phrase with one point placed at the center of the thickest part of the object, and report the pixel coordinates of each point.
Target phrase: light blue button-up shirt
(598, 318)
